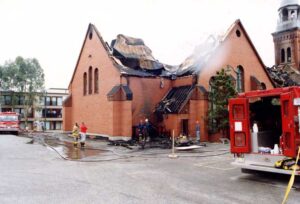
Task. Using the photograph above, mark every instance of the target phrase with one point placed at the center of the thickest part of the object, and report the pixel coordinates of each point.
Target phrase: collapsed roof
(133, 52)
(135, 58)
(284, 76)
(175, 99)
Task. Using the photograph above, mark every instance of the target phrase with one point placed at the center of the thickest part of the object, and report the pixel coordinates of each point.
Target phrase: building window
(96, 81)
(59, 101)
(48, 101)
(240, 79)
(285, 14)
(289, 54)
(90, 80)
(263, 86)
(7, 100)
(282, 56)
(20, 111)
(84, 83)
(90, 34)
(21, 100)
(238, 33)
(51, 113)
(53, 101)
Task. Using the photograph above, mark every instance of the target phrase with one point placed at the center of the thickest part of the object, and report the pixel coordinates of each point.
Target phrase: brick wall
(94, 109)
(235, 51)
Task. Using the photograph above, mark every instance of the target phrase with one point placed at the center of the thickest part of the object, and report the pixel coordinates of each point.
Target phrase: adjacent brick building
(47, 107)
(114, 87)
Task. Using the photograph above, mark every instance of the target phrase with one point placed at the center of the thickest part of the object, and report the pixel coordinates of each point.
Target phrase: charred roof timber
(175, 99)
(284, 76)
(134, 58)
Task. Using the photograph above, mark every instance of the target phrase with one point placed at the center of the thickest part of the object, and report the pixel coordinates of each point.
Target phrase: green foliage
(222, 88)
(23, 77)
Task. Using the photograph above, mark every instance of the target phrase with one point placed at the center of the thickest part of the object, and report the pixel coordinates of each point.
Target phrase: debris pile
(284, 76)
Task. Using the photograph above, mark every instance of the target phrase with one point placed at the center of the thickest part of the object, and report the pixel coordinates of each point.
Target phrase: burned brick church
(115, 86)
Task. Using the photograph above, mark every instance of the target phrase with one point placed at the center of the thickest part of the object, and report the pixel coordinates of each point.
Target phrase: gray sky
(53, 30)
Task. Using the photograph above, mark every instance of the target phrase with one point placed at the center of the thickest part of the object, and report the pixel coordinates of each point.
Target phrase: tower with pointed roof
(287, 35)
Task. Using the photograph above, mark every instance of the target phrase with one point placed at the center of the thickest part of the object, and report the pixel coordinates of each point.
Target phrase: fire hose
(291, 182)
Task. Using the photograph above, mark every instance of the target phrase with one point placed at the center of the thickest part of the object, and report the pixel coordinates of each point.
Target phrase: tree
(23, 77)
(222, 88)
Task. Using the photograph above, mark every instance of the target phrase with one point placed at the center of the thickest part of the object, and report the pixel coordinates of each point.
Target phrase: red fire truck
(9, 122)
(264, 128)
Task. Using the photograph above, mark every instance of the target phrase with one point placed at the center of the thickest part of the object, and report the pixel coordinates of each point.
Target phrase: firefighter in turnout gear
(75, 134)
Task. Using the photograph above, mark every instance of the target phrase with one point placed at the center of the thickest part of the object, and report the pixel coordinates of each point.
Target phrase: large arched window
(282, 56)
(84, 83)
(96, 81)
(90, 80)
(240, 87)
(285, 14)
(289, 54)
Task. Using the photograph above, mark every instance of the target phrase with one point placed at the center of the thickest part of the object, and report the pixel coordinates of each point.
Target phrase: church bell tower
(287, 35)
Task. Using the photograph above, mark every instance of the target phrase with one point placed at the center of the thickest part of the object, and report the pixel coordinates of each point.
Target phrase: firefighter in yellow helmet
(75, 134)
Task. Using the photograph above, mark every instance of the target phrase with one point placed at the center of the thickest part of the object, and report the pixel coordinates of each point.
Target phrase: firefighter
(140, 127)
(83, 130)
(75, 134)
(147, 128)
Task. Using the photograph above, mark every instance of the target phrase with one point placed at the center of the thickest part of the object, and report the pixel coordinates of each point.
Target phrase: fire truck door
(239, 125)
(288, 126)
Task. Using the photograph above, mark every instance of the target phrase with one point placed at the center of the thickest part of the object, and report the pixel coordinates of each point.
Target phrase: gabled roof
(126, 90)
(90, 27)
(205, 51)
(238, 22)
(190, 66)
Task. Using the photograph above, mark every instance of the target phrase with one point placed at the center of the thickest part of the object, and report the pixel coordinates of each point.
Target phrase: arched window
(282, 56)
(263, 86)
(90, 80)
(240, 87)
(84, 83)
(285, 14)
(96, 81)
(289, 54)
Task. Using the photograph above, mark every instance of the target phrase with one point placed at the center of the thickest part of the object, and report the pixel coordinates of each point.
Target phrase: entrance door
(288, 125)
(239, 125)
(185, 126)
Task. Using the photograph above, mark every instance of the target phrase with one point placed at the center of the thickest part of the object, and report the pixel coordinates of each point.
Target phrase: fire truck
(264, 128)
(9, 122)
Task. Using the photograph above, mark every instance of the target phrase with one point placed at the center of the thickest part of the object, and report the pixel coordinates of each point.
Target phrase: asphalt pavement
(39, 173)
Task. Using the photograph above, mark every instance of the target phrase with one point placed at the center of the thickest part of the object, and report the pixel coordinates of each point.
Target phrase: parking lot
(36, 172)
